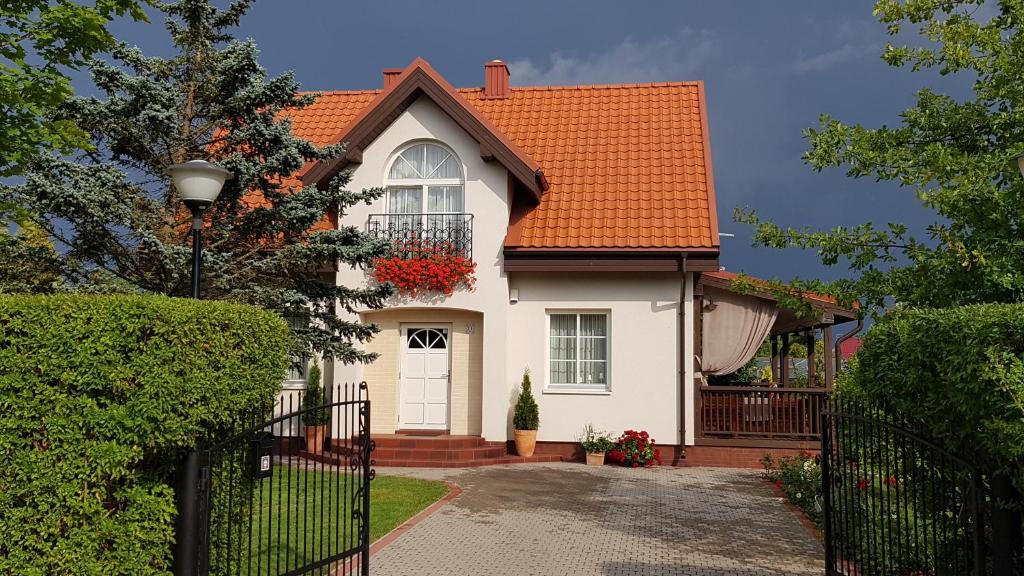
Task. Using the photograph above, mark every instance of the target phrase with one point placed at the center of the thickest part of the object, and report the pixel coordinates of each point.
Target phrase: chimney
(496, 83)
(391, 76)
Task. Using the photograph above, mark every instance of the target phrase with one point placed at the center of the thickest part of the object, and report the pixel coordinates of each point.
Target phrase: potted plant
(595, 444)
(314, 416)
(526, 419)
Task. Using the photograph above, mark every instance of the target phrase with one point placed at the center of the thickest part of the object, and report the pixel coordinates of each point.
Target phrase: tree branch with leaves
(269, 240)
(955, 156)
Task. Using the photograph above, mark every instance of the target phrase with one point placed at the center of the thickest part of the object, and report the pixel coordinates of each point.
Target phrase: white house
(590, 214)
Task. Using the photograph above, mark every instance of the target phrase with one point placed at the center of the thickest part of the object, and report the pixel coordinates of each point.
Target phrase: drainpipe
(682, 351)
(844, 338)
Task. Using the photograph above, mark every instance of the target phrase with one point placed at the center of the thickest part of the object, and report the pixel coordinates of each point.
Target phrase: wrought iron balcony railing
(411, 233)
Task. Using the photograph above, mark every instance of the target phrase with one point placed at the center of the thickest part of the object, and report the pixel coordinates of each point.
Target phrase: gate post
(826, 485)
(186, 525)
(364, 564)
(1006, 526)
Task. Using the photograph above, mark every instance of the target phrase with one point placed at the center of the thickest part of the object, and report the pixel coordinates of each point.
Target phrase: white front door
(424, 387)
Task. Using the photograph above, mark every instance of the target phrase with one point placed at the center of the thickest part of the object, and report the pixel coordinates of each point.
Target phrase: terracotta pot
(315, 438)
(526, 442)
(595, 458)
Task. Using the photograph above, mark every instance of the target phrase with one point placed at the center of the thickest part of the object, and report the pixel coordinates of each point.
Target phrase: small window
(578, 351)
(421, 338)
(297, 368)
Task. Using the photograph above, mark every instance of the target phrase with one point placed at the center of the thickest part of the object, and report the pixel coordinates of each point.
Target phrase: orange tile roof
(628, 166)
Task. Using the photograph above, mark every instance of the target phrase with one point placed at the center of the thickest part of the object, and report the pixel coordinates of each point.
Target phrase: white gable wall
(487, 199)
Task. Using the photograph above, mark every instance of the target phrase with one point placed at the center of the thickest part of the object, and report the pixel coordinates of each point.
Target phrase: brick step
(429, 442)
(442, 454)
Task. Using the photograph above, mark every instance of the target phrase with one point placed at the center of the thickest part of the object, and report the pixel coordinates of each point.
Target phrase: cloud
(859, 38)
(832, 58)
(677, 57)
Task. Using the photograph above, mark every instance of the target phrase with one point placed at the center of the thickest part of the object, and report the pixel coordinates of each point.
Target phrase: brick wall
(733, 457)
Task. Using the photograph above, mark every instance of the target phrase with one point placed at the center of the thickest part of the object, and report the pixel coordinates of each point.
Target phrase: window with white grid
(425, 187)
(578, 351)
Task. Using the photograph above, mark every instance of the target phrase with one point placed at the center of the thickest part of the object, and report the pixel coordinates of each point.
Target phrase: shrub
(101, 396)
(593, 441)
(799, 478)
(635, 449)
(314, 413)
(955, 373)
(526, 415)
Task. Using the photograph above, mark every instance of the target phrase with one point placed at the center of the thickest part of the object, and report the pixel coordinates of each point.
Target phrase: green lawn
(298, 518)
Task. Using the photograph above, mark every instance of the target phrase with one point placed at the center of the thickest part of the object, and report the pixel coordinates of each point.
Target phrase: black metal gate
(894, 502)
(290, 495)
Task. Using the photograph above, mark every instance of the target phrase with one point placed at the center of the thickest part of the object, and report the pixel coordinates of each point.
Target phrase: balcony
(412, 232)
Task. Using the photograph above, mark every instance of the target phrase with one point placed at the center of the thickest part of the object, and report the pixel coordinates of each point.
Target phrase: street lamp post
(198, 183)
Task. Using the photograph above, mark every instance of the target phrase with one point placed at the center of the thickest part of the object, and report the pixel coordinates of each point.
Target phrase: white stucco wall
(644, 351)
(486, 198)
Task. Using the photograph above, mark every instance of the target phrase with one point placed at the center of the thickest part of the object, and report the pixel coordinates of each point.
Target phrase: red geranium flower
(862, 484)
(417, 265)
(635, 449)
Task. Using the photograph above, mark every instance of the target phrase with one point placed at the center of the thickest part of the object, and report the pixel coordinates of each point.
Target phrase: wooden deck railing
(758, 412)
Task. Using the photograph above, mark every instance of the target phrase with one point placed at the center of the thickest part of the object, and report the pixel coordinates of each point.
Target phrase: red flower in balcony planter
(418, 265)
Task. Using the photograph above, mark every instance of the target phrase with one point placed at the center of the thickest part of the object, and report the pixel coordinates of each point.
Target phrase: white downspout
(689, 420)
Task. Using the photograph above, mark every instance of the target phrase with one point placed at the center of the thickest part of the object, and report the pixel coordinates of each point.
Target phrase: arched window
(425, 185)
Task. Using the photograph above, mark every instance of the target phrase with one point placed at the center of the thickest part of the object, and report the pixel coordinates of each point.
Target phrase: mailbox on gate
(262, 455)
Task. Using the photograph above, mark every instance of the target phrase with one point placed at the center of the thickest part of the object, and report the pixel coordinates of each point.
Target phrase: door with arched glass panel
(423, 394)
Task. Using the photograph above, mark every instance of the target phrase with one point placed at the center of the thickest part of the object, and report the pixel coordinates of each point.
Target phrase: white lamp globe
(198, 181)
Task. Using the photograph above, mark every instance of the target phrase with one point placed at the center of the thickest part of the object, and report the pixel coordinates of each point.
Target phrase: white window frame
(423, 184)
(593, 389)
(300, 383)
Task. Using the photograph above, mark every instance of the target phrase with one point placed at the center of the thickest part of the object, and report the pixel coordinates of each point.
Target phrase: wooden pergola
(779, 414)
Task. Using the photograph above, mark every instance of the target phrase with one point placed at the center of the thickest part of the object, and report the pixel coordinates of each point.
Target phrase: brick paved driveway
(570, 519)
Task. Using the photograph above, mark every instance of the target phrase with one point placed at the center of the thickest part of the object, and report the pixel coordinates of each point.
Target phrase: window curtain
(444, 199)
(405, 201)
(734, 325)
(563, 349)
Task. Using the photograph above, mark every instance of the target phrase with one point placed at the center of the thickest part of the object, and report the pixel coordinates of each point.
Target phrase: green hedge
(957, 373)
(101, 396)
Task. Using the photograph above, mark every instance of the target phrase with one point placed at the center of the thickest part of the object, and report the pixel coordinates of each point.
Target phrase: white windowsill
(570, 391)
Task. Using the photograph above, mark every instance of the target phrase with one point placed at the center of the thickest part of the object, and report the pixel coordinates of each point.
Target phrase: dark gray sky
(770, 68)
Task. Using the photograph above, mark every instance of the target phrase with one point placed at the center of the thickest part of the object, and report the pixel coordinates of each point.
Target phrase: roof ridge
(621, 85)
(612, 86)
(341, 92)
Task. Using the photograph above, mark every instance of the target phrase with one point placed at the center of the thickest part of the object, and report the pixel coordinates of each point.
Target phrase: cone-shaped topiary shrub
(313, 400)
(526, 415)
